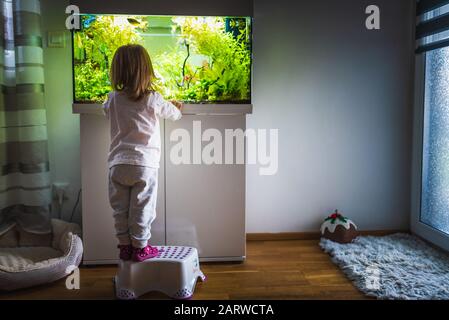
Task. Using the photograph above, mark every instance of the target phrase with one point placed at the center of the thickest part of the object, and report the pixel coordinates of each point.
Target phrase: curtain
(25, 189)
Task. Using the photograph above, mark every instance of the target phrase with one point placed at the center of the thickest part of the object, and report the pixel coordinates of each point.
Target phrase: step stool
(173, 272)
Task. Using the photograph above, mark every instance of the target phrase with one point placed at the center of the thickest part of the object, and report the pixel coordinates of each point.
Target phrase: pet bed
(28, 260)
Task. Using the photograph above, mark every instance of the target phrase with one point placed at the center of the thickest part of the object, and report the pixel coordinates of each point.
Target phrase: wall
(340, 96)
(63, 126)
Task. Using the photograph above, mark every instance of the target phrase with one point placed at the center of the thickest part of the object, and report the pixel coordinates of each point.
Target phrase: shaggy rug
(399, 266)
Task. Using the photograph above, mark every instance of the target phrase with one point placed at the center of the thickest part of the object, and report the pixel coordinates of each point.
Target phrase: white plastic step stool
(173, 272)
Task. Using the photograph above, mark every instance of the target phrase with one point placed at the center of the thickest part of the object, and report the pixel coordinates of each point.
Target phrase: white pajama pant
(133, 196)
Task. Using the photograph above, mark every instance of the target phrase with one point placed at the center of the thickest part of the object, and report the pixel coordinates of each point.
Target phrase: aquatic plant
(94, 47)
(224, 74)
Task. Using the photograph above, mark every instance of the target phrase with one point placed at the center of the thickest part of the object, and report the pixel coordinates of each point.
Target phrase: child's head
(132, 71)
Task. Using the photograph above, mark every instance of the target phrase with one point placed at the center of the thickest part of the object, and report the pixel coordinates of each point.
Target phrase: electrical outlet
(60, 191)
(56, 39)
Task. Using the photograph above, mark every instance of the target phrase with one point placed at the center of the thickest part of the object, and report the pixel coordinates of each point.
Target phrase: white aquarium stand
(200, 206)
(173, 272)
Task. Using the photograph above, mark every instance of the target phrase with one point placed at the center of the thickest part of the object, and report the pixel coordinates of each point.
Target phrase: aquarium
(196, 59)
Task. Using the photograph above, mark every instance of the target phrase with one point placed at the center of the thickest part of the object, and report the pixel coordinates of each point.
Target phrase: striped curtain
(25, 189)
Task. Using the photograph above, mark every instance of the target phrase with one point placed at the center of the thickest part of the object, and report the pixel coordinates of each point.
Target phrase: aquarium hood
(164, 7)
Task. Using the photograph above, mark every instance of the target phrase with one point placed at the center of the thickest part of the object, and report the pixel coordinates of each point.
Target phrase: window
(435, 175)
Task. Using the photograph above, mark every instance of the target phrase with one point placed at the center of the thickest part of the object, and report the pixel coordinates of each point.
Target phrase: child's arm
(105, 106)
(165, 109)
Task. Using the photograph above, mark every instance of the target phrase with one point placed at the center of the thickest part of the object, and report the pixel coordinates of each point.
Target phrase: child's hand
(177, 104)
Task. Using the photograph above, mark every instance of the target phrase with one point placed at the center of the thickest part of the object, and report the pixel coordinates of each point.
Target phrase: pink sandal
(142, 254)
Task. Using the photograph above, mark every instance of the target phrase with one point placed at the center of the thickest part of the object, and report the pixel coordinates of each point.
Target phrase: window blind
(432, 25)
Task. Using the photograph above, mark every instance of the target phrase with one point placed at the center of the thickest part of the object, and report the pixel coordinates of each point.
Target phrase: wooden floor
(291, 269)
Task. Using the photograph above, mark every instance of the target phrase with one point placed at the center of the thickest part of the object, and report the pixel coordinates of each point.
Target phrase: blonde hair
(132, 71)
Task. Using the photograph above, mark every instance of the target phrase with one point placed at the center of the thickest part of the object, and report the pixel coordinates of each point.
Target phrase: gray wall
(63, 126)
(340, 96)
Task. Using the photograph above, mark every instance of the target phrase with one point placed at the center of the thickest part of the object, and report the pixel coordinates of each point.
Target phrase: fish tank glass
(196, 59)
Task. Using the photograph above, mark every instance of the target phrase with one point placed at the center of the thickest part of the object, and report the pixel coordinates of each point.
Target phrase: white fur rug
(399, 266)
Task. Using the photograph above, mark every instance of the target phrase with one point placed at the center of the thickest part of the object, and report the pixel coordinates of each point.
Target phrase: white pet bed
(28, 260)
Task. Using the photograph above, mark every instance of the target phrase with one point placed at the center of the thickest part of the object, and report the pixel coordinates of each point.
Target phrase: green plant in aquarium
(224, 74)
(94, 47)
(91, 84)
(211, 63)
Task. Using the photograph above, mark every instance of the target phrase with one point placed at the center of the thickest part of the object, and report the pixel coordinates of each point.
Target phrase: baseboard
(311, 235)
(282, 236)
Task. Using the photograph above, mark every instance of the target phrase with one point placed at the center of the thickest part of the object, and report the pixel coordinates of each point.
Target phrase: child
(133, 109)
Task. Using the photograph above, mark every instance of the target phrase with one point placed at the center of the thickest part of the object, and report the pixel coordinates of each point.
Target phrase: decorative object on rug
(31, 265)
(398, 266)
(339, 228)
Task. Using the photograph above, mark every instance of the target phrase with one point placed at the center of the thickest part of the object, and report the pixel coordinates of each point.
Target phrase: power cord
(76, 205)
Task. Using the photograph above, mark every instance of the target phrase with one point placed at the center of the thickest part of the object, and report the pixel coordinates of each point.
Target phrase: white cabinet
(198, 205)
